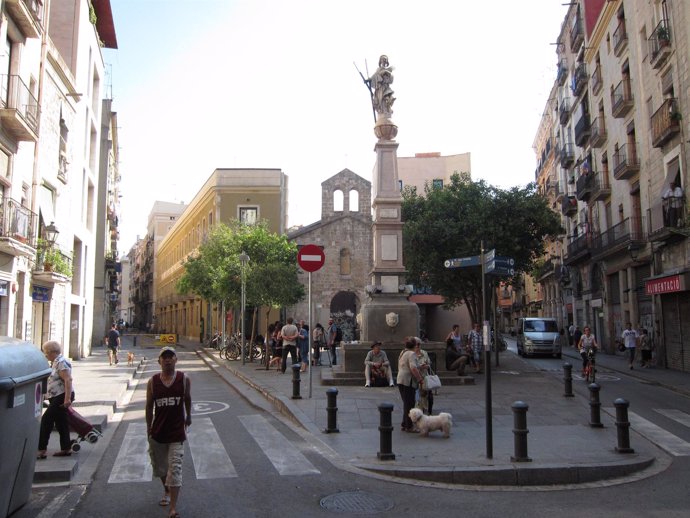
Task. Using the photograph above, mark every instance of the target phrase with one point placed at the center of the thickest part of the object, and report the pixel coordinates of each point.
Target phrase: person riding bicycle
(586, 344)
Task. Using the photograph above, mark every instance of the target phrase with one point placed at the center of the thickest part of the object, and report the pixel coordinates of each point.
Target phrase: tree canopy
(215, 271)
(453, 221)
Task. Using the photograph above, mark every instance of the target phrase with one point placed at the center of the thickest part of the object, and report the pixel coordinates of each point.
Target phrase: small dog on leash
(130, 359)
(429, 423)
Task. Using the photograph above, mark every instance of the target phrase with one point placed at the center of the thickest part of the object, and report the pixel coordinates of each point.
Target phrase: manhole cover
(357, 502)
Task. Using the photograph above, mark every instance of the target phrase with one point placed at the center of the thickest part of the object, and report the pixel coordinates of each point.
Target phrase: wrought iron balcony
(582, 130)
(579, 79)
(621, 99)
(578, 249)
(620, 39)
(28, 15)
(564, 110)
(666, 225)
(561, 71)
(569, 205)
(597, 135)
(576, 34)
(625, 162)
(665, 123)
(17, 228)
(617, 238)
(601, 189)
(597, 81)
(584, 186)
(659, 44)
(567, 154)
(19, 111)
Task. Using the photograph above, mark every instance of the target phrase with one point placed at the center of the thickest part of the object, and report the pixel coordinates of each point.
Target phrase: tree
(215, 271)
(453, 221)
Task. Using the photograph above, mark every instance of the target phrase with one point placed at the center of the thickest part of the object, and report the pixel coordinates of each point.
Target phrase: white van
(538, 336)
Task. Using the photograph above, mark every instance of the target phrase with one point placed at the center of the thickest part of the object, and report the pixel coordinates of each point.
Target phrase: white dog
(429, 423)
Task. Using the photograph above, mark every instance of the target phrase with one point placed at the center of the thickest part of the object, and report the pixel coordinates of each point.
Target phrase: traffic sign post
(311, 259)
(462, 262)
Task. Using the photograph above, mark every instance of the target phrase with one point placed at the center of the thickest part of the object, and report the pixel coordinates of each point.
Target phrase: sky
(206, 84)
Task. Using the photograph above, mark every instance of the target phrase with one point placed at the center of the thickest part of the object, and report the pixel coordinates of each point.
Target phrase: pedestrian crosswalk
(666, 440)
(209, 456)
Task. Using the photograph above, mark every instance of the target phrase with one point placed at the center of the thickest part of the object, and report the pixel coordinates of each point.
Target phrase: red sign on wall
(670, 284)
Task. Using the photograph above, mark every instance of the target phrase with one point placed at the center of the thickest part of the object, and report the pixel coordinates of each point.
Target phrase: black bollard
(332, 411)
(520, 432)
(594, 406)
(568, 380)
(296, 381)
(623, 426)
(386, 432)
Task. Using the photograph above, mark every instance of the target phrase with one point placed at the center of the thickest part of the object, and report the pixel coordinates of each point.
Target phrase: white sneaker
(391, 384)
(367, 385)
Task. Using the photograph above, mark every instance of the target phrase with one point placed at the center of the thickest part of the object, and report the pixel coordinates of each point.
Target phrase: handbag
(432, 381)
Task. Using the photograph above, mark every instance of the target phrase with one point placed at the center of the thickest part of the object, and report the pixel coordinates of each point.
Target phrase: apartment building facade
(431, 169)
(246, 195)
(612, 139)
(50, 123)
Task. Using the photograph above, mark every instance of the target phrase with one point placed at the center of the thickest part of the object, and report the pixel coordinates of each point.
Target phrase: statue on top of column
(382, 97)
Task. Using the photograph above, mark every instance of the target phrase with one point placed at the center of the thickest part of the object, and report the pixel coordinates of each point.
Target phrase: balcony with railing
(579, 79)
(597, 133)
(601, 188)
(567, 154)
(582, 130)
(569, 205)
(576, 34)
(28, 15)
(626, 163)
(19, 110)
(578, 249)
(668, 220)
(561, 71)
(621, 99)
(597, 81)
(665, 123)
(659, 44)
(564, 110)
(620, 39)
(17, 224)
(583, 188)
(616, 239)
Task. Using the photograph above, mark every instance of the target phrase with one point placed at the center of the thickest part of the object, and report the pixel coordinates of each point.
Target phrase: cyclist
(587, 342)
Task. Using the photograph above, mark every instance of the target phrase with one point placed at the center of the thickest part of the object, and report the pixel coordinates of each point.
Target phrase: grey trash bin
(23, 374)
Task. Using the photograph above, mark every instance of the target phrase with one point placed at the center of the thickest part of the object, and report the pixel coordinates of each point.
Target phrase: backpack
(338, 334)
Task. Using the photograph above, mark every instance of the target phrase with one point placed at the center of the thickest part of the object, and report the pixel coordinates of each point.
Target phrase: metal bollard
(594, 406)
(134, 340)
(332, 411)
(568, 380)
(386, 432)
(295, 381)
(623, 426)
(520, 432)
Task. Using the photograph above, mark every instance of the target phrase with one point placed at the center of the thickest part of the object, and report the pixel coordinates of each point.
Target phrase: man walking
(168, 414)
(289, 334)
(630, 340)
(113, 343)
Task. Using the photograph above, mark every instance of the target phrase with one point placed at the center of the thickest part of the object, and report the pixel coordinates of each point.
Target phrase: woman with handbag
(426, 395)
(408, 375)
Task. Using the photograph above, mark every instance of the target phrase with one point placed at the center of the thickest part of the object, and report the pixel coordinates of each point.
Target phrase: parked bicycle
(233, 349)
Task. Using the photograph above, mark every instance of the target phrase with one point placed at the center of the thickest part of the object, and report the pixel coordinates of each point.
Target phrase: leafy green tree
(215, 272)
(453, 221)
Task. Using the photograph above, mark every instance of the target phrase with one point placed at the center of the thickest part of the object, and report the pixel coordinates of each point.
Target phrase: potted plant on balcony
(662, 35)
(51, 259)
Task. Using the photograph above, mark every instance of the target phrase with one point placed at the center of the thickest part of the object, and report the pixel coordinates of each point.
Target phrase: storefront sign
(670, 284)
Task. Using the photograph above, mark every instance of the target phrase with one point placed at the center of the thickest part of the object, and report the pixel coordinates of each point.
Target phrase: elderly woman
(59, 397)
(409, 378)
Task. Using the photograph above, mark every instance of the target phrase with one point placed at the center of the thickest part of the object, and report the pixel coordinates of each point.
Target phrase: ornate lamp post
(244, 259)
(51, 233)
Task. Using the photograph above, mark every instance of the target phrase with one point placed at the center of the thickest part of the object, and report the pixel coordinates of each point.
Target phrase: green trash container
(23, 374)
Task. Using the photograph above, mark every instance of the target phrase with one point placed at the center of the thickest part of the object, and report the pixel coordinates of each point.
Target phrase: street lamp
(244, 259)
(51, 233)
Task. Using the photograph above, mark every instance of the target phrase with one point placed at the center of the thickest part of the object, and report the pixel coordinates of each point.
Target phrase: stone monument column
(387, 315)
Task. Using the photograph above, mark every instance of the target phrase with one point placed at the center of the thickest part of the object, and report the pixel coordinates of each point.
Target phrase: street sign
(461, 262)
(489, 256)
(500, 270)
(502, 263)
(310, 258)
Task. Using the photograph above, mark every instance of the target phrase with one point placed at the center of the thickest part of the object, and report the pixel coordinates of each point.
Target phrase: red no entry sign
(310, 258)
